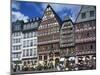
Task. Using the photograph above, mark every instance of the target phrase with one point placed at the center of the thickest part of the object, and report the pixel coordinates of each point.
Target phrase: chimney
(36, 18)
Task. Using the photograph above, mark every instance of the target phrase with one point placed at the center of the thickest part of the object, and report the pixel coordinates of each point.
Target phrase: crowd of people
(61, 66)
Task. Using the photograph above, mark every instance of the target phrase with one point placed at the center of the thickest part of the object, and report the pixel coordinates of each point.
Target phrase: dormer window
(83, 15)
(32, 25)
(35, 24)
(48, 9)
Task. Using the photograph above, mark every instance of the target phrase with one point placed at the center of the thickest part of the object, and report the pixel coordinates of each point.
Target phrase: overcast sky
(22, 10)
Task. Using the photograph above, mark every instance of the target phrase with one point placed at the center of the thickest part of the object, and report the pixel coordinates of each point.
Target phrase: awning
(62, 59)
(71, 58)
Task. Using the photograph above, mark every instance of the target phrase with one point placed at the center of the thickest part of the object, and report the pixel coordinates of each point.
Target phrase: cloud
(40, 7)
(18, 16)
(65, 10)
(43, 6)
(61, 9)
(15, 5)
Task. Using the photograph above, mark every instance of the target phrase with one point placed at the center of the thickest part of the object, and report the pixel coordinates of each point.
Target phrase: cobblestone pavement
(29, 72)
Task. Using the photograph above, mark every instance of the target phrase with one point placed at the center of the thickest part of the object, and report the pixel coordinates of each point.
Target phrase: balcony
(29, 57)
(48, 51)
(66, 36)
(85, 29)
(67, 27)
(85, 52)
(16, 59)
(67, 54)
(85, 40)
(46, 42)
(19, 43)
(67, 32)
(67, 45)
(16, 51)
(43, 51)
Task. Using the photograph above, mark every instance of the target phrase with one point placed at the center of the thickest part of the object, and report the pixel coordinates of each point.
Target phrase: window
(50, 47)
(35, 49)
(24, 44)
(57, 54)
(28, 62)
(35, 40)
(83, 47)
(52, 15)
(24, 62)
(31, 25)
(83, 15)
(35, 44)
(88, 34)
(16, 47)
(13, 48)
(18, 40)
(28, 26)
(19, 33)
(76, 27)
(13, 34)
(27, 52)
(31, 42)
(28, 43)
(35, 34)
(35, 53)
(91, 13)
(28, 35)
(71, 28)
(91, 46)
(23, 53)
(31, 34)
(35, 24)
(19, 47)
(25, 27)
(40, 57)
(45, 57)
(57, 29)
(13, 41)
(31, 62)
(17, 55)
(31, 52)
(24, 35)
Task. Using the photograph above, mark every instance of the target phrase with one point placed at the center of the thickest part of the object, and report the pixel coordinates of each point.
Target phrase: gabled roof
(18, 24)
(55, 14)
(67, 18)
(85, 8)
(32, 21)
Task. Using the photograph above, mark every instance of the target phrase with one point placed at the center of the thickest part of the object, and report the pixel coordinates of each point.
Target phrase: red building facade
(48, 37)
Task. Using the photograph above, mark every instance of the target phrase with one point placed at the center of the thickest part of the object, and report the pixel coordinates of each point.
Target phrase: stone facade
(67, 41)
(85, 33)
